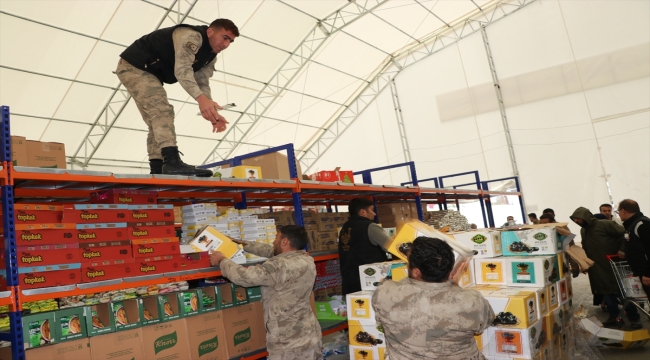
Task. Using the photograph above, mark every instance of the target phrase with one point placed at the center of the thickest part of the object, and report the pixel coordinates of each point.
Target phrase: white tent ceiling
(297, 66)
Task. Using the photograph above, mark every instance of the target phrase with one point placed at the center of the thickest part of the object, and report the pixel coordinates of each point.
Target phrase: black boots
(156, 166)
(173, 165)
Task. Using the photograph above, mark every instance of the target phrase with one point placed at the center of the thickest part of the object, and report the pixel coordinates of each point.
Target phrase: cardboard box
(375, 334)
(99, 319)
(359, 307)
(529, 271)
(521, 304)
(166, 340)
(40, 279)
(327, 308)
(155, 265)
(241, 330)
(207, 299)
(126, 314)
(155, 247)
(553, 296)
(124, 196)
(335, 175)
(188, 302)
(542, 299)
(33, 234)
(467, 276)
(101, 232)
(151, 212)
(240, 172)
(46, 154)
(516, 343)
(555, 322)
(373, 275)
(39, 329)
(563, 291)
(274, 165)
(207, 337)
(105, 252)
(616, 339)
(95, 213)
(261, 325)
(169, 306)
(151, 232)
(150, 308)
(72, 350)
(225, 296)
(210, 239)
(125, 345)
(326, 222)
(104, 272)
(70, 324)
(490, 271)
(24, 215)
(241, 296)
(19, 154)
(538, 241)
(46, 254)
(486, 243)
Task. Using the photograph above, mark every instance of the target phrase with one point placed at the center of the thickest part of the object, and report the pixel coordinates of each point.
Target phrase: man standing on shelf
(427, 316)
(287, 280)
(184, 54)
(361, 242)
(637, 240)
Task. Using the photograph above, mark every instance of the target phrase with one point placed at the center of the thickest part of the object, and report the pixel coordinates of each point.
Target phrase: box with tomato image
(150, 312)
(99, 319)
(124, 196)
(169, 307)
(126, 314)
(151, 232)
(70, 325)
(148, 213)
(101, 232)
(105, 253)
(143, 248)
(46, 255)
(94, 213)
(35, 234)
(39, 329)
(37, 214)
(47, 276)
(188, 302)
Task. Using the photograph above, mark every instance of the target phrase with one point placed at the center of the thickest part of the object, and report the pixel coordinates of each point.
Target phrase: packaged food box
(36, 234)
(146, 213)
(194, 261)
(95, 273)
(39, 329)
(150, 308)
(225, 296)
(126, 314)
(486, 243)
(70, 324)
(359, 306)
(188, 302)
(563, 291)
(201, 206)
(537, 241)
(553, 296)
(154, 265)
(151, 232)
(95, 213)
(207, 299)
(240, 172)
(542, 299)
(46, 254)
(37, 214)
(208, 239)
(166, 341)
(155, 247)
(513, 308)
(555, 322)
(535, 271)
(169, 307)
(99, 319)
(466, 278)
(101, 232)
(124, 196)
(105, 252)
(517, 343)
(330, 308)
(366, 334)
(41, 279)
(490, 271)
(254, 294)
(241, 296)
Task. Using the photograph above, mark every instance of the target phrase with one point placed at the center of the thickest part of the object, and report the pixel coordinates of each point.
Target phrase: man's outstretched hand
(209, 112)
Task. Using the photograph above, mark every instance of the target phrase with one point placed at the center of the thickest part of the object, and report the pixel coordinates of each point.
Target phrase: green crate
(172, 300)
(99, 319)
(225, 296)
(207, 299)
(151, 306)
(188, 302)
(126, 314)
(39, 329)
(70, 324)
(240, 295)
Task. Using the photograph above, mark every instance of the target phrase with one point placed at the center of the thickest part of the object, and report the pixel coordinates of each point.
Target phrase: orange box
(94, 216)
(124, 196)
(151, 213)
(144, 248)
(35, 216)
(101, 232)
(151, 232)
(103, 272)
(46, 254)
(49, 278)
(36, 234)
(155, 265)
(105, 252)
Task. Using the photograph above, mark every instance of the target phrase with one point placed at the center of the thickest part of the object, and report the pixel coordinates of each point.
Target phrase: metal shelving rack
(74, 186)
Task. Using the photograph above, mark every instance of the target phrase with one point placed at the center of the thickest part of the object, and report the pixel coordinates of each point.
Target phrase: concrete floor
(582, 295)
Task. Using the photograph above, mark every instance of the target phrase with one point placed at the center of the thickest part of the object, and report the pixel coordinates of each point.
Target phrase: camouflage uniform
(425, 320)
(292, 331)
(151, 98)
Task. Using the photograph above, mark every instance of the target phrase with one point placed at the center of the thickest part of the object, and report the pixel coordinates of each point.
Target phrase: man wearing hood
(599, 239)
(637, 240)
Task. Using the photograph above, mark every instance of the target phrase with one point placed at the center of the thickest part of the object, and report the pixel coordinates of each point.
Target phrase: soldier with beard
(286, 279)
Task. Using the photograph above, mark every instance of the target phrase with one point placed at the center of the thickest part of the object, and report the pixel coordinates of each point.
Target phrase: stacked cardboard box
(367, 340)
(390, 215)
(37, 154)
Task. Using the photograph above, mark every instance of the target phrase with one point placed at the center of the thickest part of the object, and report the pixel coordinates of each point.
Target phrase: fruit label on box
(361, 307)
(490, 270)
(522, 274)
(509, 342)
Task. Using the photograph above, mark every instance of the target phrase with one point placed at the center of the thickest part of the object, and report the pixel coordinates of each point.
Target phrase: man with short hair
(361, 242)
(185, 54)
(510, 222)
(287, 279)
(637, 240)
(599, 239)
(427, 316)
(533, 218)
(548, 211)
(606, 209)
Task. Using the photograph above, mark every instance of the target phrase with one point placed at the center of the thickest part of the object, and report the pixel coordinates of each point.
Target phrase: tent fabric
(574, 78)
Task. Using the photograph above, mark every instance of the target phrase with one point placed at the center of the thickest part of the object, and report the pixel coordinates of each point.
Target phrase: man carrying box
(361, 242)
(427, 316)
(286, 279)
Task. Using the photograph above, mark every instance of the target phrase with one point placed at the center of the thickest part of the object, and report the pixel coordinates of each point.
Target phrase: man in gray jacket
(287, 280)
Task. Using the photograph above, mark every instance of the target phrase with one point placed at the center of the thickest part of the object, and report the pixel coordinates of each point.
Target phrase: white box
(467, 276)
(193, 207)
(516, 343)
(486, 243)
(543, 301)
(538, 241)
(529, 271)
(359, 307)
(200, 212)
(371, 275)
(553, 296)
(490, 271)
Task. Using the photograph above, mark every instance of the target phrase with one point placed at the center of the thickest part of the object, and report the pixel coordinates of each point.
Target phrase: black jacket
(355, 249)
(637, 244)
(154, 53)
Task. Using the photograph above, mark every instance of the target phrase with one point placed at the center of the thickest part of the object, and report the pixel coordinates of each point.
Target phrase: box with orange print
(490, 271)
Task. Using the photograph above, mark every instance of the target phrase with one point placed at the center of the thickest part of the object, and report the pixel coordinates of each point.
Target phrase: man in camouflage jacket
(287, 280)
(427, 316)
